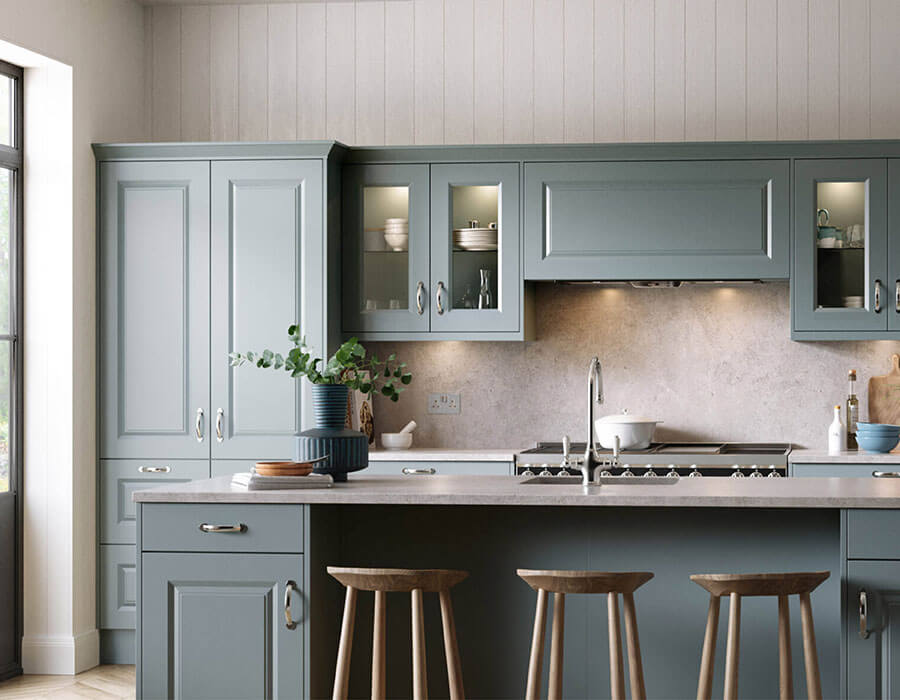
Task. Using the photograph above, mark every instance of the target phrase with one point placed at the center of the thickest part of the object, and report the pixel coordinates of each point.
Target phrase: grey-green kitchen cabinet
(845, 282)
(432, 251)
(657, 220)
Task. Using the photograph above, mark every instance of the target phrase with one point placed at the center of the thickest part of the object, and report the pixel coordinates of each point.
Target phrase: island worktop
(511, 491)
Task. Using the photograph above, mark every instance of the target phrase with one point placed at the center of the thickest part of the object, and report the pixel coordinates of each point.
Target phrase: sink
(604, 480)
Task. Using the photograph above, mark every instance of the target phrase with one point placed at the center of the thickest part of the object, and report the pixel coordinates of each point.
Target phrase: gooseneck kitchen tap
(592, 456)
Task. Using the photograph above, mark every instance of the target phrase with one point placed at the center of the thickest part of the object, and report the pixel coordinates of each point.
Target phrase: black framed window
(11, 162)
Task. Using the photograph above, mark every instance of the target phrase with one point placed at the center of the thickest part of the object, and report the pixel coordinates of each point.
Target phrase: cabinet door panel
(873, 664)
(481, 287)
(836, 194)
(118, 586)
(893, 280)
(213, 626)
(266, 244)
(154, 223)
(657, 220)
(385, 248)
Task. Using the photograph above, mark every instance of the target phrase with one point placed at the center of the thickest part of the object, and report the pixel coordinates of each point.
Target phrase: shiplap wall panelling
(488, 56)
(166, 73)
(459, 72)
(370, 22)
(399, 78)
(793, 69)
(700, 70)
(311, 71)
(823, 93)
(854, 59)
(518, 71)
(282, 73)
(578, 79)
(223, 74)
(340, 71)
(549, 41)
(639, 33)
(195, 65)
(668, 70)
(428, 71)
(762, 70)
(731, 70)
(609, 73)
(253, 70)
(884, 99)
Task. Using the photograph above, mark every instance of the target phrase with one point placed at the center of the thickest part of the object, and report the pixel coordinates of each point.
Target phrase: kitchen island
(212, 603)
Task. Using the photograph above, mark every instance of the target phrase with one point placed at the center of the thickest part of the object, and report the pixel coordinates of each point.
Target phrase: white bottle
(837, 436)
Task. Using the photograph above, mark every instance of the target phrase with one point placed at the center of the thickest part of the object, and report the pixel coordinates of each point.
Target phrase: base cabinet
(873, 629)
(214, 626)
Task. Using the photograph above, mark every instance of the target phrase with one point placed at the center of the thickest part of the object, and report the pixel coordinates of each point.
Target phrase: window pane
(6, 214)
(7, 94)
(4, 415)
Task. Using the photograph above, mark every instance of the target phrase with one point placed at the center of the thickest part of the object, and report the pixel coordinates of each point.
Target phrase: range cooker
(691, 459)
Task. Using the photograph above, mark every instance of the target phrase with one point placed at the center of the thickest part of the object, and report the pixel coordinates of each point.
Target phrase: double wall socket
(443, 403)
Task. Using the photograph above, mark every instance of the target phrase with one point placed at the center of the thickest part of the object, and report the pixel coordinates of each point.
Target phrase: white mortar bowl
(396, 441)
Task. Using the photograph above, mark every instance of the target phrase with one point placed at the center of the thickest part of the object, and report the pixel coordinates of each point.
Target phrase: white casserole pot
(634, 433)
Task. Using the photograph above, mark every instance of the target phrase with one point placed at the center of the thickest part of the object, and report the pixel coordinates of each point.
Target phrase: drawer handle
(420, 297)
(154, 470)
(412, 471)
(219, 414)
(288, 620)
(877, 296)
(897, 298)
(198, 426)
(206, 527)
(863, 614)
(439, 297)
(886, 475)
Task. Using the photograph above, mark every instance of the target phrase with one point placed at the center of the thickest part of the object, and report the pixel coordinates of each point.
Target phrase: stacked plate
(475, 238)
(396, 234)
(853, 302)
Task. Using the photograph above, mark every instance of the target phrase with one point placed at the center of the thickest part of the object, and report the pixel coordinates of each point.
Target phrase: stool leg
(378, 643)
(451, 649)
(556, 646)
(342, 670)
(732, 649)
(635, 667)
(785, 670)
(536, 660)
(810, 655)
(616, 667)
(420, 680)
(708, 659)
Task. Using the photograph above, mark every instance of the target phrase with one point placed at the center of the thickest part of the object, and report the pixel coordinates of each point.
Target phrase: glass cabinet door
(893, 281)
(840, 245)
(475, 253)
(385, 248)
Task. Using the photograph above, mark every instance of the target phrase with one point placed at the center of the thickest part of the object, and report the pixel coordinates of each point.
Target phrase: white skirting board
(60, 654)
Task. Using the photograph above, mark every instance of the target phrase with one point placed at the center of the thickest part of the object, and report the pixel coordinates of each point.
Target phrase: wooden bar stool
(736, 586)
(415, 582)
(562, 582)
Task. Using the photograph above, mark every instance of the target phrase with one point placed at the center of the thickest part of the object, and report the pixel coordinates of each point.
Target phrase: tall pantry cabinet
(204, 249)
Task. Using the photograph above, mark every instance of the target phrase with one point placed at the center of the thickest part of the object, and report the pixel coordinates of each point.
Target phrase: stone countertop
(509, 491)
(850, 457)
(443, 454)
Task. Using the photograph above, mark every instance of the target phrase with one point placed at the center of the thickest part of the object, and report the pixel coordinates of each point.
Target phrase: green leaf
(406, 378)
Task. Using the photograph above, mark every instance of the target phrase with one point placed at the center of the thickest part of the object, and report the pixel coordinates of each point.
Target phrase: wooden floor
(102, 683)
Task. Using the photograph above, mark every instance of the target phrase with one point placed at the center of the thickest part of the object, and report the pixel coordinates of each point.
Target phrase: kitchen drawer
(119, 478)
(873, 534)
(170, 527)
(118, 586)
(842, 470)
(425, 468)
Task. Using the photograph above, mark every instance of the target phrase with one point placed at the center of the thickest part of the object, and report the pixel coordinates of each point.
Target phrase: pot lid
(624, 417)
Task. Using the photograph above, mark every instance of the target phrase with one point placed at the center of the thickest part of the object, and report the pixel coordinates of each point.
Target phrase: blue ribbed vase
(347, 450)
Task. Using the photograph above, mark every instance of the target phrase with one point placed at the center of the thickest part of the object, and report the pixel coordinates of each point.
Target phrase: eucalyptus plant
(350, 366)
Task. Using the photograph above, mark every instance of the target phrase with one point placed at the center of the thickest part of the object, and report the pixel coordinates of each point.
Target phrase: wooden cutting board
(884, 395)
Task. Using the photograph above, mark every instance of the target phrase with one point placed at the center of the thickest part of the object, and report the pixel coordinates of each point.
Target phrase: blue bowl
(886, 427)
(877, 443)
(877, 433)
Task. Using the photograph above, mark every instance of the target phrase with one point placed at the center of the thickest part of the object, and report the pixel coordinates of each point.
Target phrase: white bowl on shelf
(397, 241)
(396, 441)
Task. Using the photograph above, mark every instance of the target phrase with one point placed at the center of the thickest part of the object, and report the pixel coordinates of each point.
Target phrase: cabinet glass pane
(842, 237)
(4, 414)
(385, 268)
(7, 107)
(476, 245)
(6, 215)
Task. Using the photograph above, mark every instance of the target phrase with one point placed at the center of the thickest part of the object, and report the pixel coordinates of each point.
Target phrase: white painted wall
(83, 83)
(521, 71)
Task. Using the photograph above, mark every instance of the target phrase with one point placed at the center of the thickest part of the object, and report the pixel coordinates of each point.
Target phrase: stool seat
(397, 580)
(562, 581)
(761, 584)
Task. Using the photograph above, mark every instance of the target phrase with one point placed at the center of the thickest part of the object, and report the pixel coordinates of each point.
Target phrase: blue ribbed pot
(347, 450)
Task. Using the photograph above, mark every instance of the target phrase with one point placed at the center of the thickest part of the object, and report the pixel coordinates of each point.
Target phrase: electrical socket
(443, 403)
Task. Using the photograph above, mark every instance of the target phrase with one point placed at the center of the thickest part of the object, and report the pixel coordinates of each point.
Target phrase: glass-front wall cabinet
(432, 249)
(841, 245)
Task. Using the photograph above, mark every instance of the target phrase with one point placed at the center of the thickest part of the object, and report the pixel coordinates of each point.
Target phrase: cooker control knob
(672, 471)
(527, 471)
(563, 472)
(627, 471)
(650, 471)
(756, 474)
(545, 470)
(694, 471)
(737, 473)
(773, 473)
